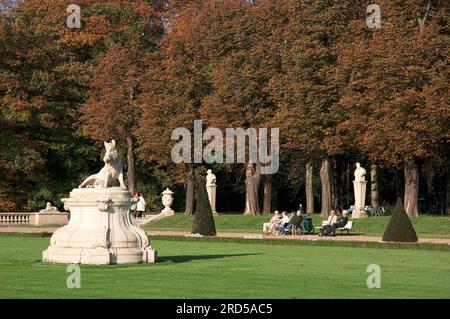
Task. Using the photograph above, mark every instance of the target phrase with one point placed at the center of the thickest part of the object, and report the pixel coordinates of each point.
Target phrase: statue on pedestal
(359, 187)
(100, 231)
(211, 189)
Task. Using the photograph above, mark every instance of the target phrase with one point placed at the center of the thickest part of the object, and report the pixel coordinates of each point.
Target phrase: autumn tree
(242, 46)
(395, 97)
(307, 91)
(43, 79)
(131, 30)
(174, 86)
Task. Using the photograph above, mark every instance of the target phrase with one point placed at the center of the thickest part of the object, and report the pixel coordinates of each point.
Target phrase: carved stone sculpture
(100, 230)
(49, 209)
(359, 187)
(112, 171)
(167, 200)
(211, 190)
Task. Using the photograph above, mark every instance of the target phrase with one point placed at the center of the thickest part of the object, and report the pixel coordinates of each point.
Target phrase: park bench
(348, 227)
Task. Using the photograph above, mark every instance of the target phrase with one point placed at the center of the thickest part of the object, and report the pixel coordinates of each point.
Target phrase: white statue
(211, 189)
(112, 171)
(210, 178)
(360, 173)
(359, 187)
(49, 209)
(100, 230)
(167, 200)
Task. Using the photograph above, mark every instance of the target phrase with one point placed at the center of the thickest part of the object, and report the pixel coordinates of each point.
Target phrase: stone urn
(167, 201)
(99, 231)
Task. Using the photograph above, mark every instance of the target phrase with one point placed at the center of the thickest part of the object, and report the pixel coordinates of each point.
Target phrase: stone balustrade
(36, 219)
(15, 218)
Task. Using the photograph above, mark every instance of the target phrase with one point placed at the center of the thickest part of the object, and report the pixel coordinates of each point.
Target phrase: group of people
(283, 223)
(138, 205)
(333, 222)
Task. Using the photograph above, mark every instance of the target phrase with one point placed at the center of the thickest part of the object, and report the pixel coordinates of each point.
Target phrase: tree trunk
(190, 189)
(374, 187)
(326, 187)
(429, 172)
(399, 184)
(309, 189)
(447, 191)
(267, 207)
(333, 176)
(411, 188)
(348, 182)
(131, 173)
(252, 181)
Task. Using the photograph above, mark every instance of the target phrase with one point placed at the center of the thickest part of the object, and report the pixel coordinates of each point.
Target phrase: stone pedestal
(211, 189)
(58, 218)
(359, 188)
(99, 231)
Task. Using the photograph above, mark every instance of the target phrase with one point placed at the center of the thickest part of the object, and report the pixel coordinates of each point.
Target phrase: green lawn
(425, 226)
(199, 269)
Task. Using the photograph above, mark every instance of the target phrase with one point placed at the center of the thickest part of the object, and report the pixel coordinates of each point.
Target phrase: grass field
(199, 269)
(425, 226)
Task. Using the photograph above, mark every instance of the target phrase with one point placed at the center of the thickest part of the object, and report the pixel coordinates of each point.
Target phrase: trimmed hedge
(400, 228)
(203, 219)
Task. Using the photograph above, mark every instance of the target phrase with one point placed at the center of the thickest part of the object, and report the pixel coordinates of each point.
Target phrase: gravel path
(358, 238)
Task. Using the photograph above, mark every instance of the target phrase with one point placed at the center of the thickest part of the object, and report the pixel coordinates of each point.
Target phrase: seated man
(327, 229)
(296, 220)
(342, 221)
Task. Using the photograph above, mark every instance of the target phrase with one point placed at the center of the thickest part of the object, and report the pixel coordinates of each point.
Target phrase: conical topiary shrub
(203, 219)
(399, 227)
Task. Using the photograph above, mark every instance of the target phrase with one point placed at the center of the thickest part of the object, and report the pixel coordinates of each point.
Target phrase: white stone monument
(211, 189)
(167, 200)
(100, 230)
(359, 187)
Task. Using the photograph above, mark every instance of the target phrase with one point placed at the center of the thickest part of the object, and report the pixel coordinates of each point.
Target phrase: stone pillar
(99, 231)
(211, 189)
(359, 188)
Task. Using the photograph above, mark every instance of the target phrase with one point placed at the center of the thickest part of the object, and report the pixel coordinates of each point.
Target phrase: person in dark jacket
(296, 220)
(342, 221)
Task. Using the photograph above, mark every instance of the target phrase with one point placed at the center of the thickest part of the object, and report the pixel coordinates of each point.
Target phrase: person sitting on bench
(272, 224)
(342, 221)
(296, 220)
(327, 229)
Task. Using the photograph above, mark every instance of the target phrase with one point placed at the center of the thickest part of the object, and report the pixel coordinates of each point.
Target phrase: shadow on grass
(188, 258)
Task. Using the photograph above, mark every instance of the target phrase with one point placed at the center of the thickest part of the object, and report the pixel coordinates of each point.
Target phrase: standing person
(140, 206)
(134, 201)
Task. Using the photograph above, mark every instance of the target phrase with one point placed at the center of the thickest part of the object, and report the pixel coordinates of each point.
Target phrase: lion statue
(112, 171)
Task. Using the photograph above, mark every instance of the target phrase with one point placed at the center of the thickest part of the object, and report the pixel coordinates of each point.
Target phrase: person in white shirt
(327, 229)
(274, 222)
(140, 206)
(285, 219)
(332, 219)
